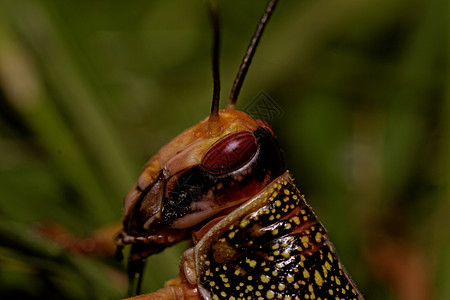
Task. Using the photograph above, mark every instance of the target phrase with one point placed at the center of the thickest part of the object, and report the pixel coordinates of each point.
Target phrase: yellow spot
(270, 294)
(302, 211)
(250, 277)
(212, 283)
(305, 218)
(318, 237)
(274, 273)
(328, 266)
(296, 286)
(305, 274)
(287, 226)
(278, 203)
(276, 252)
(250, 288)
(294, 197)
(310, 288)
(305, 241)
(223, 294)
(318, 278)
(231, 235)
(265, 279)
(244, 223)
(215, 297)
(271, 218)
(286, 192)
(325, 272)
(281, 286)
(260, 287)
(285, 254)
(232, 298)
(338, 282)
(330, 257)
(330, 291)
(290, 278)
(275, 232)
(296, 220)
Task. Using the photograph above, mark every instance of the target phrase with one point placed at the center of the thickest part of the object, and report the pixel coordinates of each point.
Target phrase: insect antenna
(213, 123)
(245, 64)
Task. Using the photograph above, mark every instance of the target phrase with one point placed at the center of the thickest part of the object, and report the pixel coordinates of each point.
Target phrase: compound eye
(230, 152)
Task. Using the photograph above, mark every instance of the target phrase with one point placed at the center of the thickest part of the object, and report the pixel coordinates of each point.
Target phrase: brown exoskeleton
(223, 185)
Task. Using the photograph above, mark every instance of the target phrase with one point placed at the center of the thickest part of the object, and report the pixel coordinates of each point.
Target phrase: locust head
(206, 171)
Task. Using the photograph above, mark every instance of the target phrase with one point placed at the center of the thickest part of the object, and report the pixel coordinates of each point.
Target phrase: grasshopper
(223, 185)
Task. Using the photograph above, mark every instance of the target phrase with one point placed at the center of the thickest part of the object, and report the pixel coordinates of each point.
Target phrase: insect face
(197, 177)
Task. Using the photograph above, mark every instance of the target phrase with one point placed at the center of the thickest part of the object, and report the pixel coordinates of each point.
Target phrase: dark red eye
(230, 152)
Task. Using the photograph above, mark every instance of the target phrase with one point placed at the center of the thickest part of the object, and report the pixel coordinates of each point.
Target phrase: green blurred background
(89, 90)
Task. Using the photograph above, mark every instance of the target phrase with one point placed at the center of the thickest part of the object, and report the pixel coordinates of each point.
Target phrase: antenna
(214, 16)
(249, 54)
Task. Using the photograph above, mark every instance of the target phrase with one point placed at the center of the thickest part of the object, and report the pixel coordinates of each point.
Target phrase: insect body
(223, 185)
